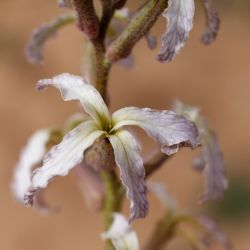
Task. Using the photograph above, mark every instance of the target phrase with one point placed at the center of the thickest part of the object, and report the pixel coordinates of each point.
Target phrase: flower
(31, 155)
(211, 160)
(170, 130)
(179, 15)
(121, 234)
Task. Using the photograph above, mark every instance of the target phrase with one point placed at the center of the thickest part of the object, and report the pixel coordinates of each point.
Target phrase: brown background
(216, 78)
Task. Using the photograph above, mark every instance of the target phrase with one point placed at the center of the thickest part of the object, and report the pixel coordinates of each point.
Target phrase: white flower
(121, 234)
(170, 130)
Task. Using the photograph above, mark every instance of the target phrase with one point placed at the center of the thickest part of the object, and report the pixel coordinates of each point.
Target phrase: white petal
(121, 234)
(179, 15)
(31, 155)
(212, 23)
(166, 127)
(130, 163)
(75, 88)
(63, 157)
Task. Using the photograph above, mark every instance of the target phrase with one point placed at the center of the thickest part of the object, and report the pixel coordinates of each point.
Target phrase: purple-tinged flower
(31, 157)
(212, 23)
(121, 234)
(179, 15)
(42, 34)
(211, 160)
(170, 130)
(208, 232)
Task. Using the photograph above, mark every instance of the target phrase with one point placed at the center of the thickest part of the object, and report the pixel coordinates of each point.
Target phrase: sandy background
(216, 78)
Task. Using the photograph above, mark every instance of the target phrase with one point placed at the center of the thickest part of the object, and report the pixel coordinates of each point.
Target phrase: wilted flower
(31, 155)
(211, 159)
(121, 234)
(179, 15)
(42, 34)
(208, 232)
(170, 130)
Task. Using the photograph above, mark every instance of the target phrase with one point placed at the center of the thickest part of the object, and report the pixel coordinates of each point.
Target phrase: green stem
(102, 69)
(112, 201)
(163, 232)
(140, 25)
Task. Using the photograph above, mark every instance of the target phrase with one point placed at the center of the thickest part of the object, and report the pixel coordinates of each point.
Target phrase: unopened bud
(100, 156)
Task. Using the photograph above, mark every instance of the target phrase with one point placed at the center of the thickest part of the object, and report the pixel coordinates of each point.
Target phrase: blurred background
(216, 78)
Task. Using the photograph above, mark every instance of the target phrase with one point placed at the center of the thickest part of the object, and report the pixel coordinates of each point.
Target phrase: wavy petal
(166, 127)
(76, 88)
(212, 23)
(121, 234)
(179, 16)
(130, 163)
(31, 155)
(63, 157)
(214, 169)
(211, 160)
(42, 34)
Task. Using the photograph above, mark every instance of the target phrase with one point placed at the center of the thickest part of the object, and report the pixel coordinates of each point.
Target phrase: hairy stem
(102, 69)
(87, 20)
(140, 25)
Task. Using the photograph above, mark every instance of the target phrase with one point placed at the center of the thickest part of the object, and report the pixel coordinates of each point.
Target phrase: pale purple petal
(179, 16)
(211, 160)
(91, 186)
(214, 170)
(170, 130)
(42, 34)
(76, 88)
(212, 23)
(31, 155)
(63, 157)
(121, 234)
(64, 3)
(130, 163)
